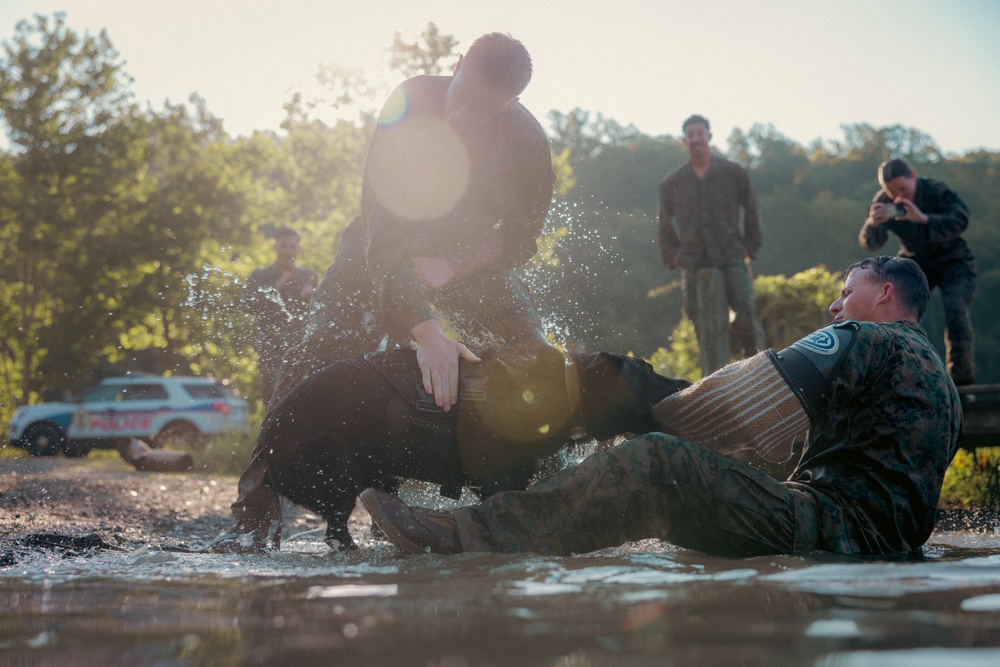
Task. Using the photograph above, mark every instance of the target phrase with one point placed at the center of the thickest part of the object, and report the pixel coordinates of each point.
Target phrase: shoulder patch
(823, 342)
(826, 341)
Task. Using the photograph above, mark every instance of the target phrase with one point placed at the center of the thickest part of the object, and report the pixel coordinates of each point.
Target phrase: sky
(806, 67)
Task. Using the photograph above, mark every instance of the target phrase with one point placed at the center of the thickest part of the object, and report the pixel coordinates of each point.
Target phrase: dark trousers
(957, 283)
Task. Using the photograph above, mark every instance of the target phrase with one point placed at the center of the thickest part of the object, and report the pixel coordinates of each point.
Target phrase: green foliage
(681, 359)
(565, 178)
(75, 166)
(129, 234)
(973, 478)
(8, 452)
(790, 308)
(226, 455)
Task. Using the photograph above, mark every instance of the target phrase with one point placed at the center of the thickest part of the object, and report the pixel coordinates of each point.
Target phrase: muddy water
(644, 604)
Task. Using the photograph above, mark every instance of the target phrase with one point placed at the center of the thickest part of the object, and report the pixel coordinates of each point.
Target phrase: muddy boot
(413, 530)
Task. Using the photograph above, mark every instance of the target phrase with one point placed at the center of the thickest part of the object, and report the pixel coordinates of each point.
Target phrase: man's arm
(255, 299)
(873, 234)
(524, 195)
(669, 243)
(298, 303)
(438, 356)
(532, 199)
(952, 217)
(753, 236)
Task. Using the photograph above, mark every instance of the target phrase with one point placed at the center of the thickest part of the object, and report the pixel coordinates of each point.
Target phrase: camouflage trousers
(655, 486)
(958, 290)
(708, 296)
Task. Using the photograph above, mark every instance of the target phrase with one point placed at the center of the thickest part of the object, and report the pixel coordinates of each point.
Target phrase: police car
(182, 411)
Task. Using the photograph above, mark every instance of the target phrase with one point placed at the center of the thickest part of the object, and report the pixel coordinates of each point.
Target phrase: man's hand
(913, 214)
(433, 271)
(437, 356)
(877, 214)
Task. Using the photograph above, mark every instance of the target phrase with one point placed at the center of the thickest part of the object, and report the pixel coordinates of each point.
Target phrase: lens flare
(418, 170)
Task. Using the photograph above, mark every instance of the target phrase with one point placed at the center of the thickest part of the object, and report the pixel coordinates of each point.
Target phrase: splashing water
(578, 261)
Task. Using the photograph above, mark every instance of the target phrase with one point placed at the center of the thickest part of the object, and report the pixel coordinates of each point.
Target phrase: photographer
(928, 218)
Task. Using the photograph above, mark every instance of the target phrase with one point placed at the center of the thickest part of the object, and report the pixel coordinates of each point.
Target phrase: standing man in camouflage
(929, 224)
(458, 182)
(278, 296)
(704, 198)
(883, 426)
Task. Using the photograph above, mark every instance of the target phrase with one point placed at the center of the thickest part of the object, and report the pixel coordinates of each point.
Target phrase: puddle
(646, 603)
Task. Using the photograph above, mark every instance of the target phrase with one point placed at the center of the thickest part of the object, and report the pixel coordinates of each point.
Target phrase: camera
(894, 210)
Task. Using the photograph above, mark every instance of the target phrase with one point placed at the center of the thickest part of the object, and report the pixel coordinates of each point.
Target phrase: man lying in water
(368, 421)
(883, 419)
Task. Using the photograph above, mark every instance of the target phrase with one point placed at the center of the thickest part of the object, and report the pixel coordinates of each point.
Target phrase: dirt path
(111, 498)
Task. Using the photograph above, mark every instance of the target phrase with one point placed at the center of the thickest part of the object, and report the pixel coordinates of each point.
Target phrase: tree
(432, 53)
(110, 210)
(62, 98)
(194, 208)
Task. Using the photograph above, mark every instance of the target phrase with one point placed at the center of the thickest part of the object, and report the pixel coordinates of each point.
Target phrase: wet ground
(644, 604)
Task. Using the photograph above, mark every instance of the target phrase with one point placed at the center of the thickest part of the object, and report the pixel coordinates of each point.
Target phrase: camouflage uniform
(946, 260)
(868, 482)
(711, 250)
(371, 290)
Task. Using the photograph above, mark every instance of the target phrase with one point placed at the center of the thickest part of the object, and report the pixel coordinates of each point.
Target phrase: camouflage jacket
(707, 215)
(876, 455)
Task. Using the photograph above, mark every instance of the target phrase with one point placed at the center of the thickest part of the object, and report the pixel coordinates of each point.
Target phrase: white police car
(180, 410)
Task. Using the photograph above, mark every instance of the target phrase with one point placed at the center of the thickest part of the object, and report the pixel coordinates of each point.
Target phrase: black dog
(368, 421)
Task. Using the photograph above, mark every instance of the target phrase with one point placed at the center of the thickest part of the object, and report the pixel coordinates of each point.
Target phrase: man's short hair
(893, 169)
(504, 60)
(695, 119)
(285, 231)
(904, 274)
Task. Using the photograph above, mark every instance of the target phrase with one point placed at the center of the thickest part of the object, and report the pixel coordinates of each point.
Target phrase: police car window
(208, 390)
(101, 393)
(143, 392)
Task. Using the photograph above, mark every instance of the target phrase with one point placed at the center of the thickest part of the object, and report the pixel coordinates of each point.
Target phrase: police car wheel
(43, 440)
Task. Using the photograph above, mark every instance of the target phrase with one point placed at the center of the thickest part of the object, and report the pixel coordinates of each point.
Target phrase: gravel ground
(122, 505)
